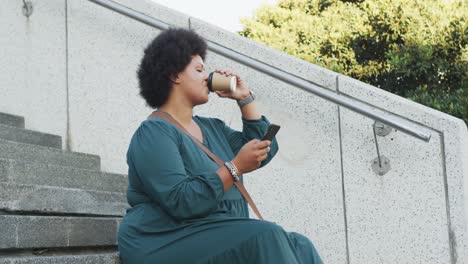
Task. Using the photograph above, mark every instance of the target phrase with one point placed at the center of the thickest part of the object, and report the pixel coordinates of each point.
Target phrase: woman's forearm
(250, 112)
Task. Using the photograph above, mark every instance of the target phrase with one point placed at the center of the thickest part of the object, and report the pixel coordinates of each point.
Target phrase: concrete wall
(33, 64)
(422, 198)
(70, 69)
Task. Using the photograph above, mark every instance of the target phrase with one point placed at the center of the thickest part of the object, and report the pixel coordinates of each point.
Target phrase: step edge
(44, 148)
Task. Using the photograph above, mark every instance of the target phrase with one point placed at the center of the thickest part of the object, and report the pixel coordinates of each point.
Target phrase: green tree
(413, 48)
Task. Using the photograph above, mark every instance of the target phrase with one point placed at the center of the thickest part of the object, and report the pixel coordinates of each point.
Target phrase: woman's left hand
(242, 91)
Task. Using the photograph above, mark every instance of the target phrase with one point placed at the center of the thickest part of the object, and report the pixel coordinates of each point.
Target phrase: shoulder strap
(239, 185)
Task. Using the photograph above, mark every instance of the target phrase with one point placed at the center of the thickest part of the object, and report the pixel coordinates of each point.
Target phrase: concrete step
(33, 153)
(30, 137)
(19, 172)
(50, 199)
(22, 231)
(12, 120)
(109, 258)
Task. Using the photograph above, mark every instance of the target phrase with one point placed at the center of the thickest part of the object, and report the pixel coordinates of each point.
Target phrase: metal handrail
(347, 102)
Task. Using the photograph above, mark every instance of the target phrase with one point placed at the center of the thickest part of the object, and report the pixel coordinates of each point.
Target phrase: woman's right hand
(251, 155)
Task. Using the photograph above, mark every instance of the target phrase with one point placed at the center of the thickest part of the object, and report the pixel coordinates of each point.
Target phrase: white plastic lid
(233, 84)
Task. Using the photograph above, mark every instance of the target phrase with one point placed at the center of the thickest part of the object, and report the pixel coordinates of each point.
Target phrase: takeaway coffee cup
(221, 82)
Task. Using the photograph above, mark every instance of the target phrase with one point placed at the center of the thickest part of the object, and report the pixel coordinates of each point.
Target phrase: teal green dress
(180, 212)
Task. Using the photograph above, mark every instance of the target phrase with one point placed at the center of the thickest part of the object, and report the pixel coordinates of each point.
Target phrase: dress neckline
(202, 130)
(196, 119)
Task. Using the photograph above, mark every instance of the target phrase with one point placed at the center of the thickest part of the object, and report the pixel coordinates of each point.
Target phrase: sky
(222, 13)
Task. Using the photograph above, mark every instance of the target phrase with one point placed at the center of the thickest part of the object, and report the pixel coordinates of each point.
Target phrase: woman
(184, 208)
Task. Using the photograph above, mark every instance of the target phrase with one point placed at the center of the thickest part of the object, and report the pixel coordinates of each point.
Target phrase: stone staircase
(55, 206)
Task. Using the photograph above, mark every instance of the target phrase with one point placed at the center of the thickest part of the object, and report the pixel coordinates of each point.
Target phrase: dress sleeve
(155, 155)
(251, 129)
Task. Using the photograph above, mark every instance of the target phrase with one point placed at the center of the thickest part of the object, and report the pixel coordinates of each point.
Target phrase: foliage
(413, 48)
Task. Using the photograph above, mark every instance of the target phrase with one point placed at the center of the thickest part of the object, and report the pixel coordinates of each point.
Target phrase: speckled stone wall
(424, 193)
(73, 64)
(33, 64)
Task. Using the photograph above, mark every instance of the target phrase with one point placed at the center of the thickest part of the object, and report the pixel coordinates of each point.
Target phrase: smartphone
(270, 134)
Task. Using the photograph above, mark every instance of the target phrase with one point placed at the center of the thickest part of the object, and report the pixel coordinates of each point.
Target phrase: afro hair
(165, 57)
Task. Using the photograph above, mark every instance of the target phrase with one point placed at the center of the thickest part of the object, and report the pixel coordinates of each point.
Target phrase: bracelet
(237, 170)
(246, 100)
(233, 170)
